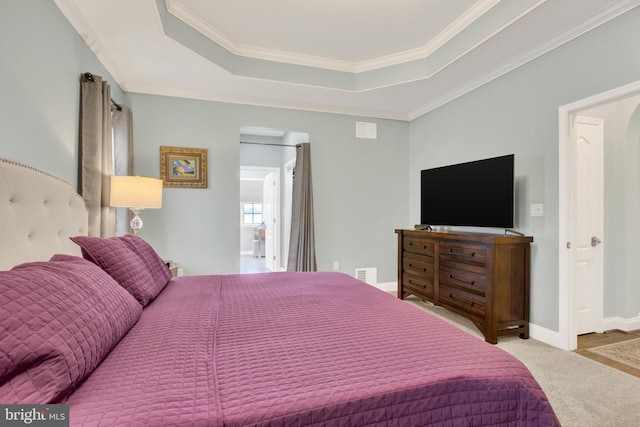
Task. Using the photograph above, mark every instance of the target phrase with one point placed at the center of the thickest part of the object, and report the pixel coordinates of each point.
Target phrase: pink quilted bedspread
(301, 349)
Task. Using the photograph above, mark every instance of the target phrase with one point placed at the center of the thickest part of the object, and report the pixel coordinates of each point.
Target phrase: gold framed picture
(183, 167)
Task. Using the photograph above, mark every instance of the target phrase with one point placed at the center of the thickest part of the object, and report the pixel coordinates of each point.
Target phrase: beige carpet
(582, 392)
(626, 352)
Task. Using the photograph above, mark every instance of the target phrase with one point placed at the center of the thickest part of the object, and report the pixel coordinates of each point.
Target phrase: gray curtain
(123, 159)
(96, 153)
(302, 253)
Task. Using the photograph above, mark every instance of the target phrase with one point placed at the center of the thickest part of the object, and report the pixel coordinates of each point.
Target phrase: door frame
(289, 166)
(567, 338)
(276, 170)
(277, 219)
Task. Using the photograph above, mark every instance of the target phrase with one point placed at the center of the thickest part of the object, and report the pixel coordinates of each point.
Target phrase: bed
(100, 325)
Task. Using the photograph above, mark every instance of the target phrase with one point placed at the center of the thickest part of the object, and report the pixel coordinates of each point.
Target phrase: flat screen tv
(478, 194)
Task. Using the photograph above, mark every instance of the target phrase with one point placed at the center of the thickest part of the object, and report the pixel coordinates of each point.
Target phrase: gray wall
(41, 59)
(518, 113)
(360, 191)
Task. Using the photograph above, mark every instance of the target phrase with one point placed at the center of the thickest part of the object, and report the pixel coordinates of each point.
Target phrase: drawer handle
(411, 282)
(467, 254)
(417, 246)
(464, 282)
(417, 267)
(470, 304)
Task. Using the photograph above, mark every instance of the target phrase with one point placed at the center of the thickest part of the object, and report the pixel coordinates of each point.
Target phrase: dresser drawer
(466, 301)
(419, 284)
(453, 264)
(417, 245)
(465, 252)
(419, 265)
(460, 278)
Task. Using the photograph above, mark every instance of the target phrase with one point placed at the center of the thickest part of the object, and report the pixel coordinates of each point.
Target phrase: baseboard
(546, 336)
(554, 339)
(625, 325)
(387, 286)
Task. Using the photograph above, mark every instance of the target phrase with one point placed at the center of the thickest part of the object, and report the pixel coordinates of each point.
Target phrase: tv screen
(478, 193)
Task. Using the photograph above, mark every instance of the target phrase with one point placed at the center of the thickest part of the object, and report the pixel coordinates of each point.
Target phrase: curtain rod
(89, 77)
(268, 143)
(118, 107)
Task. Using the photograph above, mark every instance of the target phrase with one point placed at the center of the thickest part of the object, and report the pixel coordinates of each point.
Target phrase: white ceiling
(374, 58)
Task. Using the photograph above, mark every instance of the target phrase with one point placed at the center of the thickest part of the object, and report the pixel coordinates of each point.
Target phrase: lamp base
(136, 222)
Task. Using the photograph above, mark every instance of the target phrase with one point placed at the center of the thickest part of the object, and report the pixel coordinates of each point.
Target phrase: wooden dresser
(484, 277)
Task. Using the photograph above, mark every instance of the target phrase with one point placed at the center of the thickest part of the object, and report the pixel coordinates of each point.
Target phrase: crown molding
(264, 102)
(594, 21)
(404, 67)
(77, 20)
(463, 21)
(186, 15)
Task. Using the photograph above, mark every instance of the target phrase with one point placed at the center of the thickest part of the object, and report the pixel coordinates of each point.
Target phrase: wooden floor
(587, 341)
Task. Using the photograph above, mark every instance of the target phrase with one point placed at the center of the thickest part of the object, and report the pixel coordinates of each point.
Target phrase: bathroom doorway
(266, 159)
(259, 219)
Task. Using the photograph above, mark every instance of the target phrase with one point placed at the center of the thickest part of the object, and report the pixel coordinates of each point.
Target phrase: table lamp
(136, 193)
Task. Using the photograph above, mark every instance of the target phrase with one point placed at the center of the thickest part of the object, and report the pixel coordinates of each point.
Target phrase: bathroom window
(252, 213)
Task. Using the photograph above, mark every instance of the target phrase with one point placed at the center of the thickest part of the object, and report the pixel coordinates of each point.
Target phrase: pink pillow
(131, 261)
(58, 319)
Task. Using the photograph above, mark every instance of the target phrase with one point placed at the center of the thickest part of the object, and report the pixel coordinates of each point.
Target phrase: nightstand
(173, 267)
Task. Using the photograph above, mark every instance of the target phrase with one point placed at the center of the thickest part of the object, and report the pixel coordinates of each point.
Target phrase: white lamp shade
(136, 192)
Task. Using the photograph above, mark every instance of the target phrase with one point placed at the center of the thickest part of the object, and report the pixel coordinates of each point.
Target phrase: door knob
(595, 241)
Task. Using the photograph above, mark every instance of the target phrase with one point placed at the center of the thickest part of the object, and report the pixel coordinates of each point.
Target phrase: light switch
(537, 209)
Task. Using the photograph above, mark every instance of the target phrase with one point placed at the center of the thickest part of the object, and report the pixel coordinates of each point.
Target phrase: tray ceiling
(372, 58)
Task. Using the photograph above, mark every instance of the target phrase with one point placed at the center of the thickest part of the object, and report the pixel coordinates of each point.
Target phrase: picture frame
(182, 167)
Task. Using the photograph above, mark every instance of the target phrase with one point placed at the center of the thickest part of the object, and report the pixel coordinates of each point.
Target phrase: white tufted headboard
(38, 214)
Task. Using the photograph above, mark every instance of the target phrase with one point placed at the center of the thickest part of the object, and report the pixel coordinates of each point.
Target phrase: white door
(269, 215)
(286, 213)
(587, 223)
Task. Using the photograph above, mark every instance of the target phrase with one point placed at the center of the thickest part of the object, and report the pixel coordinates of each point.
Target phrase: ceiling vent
(366, 130)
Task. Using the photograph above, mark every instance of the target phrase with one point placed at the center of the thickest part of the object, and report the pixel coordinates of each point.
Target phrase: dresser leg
(491, 338)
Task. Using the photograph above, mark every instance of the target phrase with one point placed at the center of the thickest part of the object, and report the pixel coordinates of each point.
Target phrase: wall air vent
(367, 275)
(366, 130)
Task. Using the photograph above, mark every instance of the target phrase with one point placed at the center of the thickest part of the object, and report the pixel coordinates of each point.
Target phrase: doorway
(267, 158)
(611, 238)
(259, 209)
